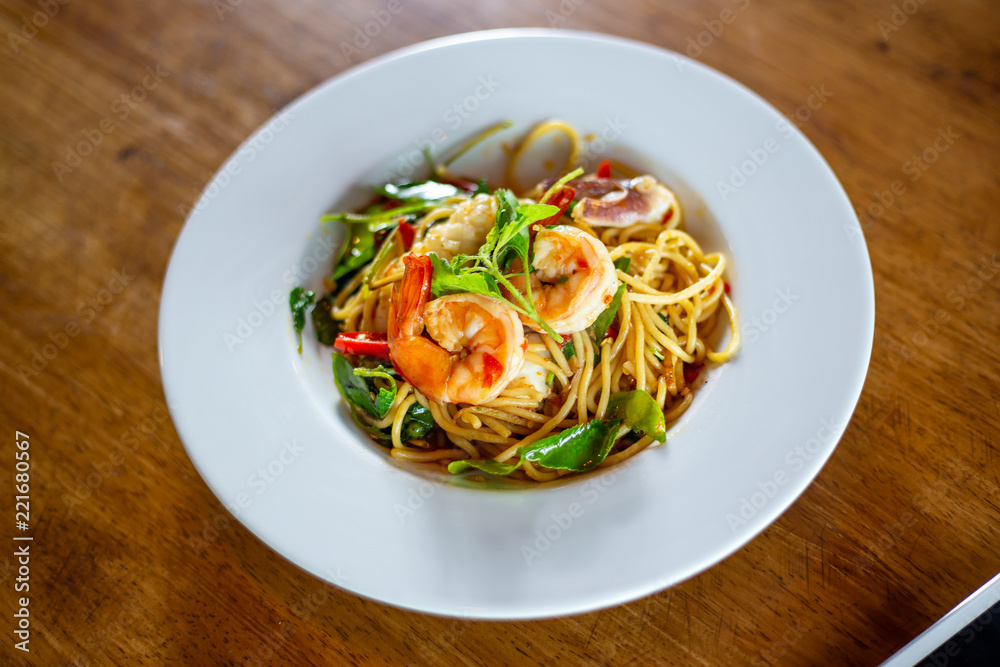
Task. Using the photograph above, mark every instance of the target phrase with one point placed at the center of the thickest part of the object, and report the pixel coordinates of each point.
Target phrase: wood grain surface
(114, 115)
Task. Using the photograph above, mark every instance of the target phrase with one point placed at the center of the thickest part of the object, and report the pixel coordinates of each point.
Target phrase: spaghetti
(566, 347)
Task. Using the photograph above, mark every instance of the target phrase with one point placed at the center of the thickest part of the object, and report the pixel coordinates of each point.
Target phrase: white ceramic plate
(266, 428)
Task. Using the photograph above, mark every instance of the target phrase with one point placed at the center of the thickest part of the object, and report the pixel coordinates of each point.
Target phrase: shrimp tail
(415, 357)
(409, 298)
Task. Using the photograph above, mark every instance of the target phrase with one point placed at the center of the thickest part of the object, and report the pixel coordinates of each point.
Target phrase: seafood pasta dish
(533, 330)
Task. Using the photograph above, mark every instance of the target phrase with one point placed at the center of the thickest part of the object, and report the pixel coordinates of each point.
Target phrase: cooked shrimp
(462, 233)
(606, 202)
(476, 343)
(574, 279)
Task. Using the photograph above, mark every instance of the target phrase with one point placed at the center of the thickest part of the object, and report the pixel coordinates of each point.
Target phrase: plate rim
(768, 515)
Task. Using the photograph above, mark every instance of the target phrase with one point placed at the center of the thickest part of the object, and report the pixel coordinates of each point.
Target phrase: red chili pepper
(365, 343)
(726, 285)
(666, 216)
(604, 169)
(562, 199)
(613, 329)
(691, 372)
(406, 232)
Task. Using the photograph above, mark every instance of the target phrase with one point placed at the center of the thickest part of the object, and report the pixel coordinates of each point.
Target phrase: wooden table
(115, 114)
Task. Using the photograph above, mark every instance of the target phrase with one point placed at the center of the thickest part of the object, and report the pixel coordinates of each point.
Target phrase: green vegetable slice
(640, 412)
(488, 465)
(579, 448)
(607, 316)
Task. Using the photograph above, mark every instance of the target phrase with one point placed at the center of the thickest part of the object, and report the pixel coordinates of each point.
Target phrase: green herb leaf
(640, 412)
(386, 396)
(387, 249)
(605, 319)
(353, 388)
(426, 191)
(324, 325)
(444, 280)
(378, 218)
(299, 300)
(526, 215)
(351, 383)
(357, 250)
(487, 465)
(379, 371)
(569, 350)
(507, 205)
(622, 264)
(579, 448)
(417, 422)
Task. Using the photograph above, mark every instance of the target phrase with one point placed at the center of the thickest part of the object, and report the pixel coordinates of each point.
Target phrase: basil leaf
(299, 300)
(622, 264)
(488, 465)
(526, 214)
(379, 371)
(605, 319)
(444, 280)
(640, 412)
(579, 448)
(507, 205)
(324, 325)
(353, 388)
(416, 423)
(357, 250)
(385, 397)
(428, 191)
